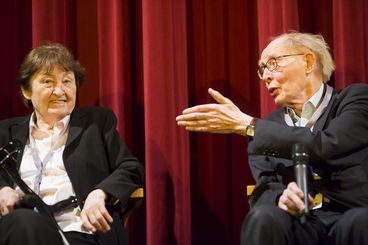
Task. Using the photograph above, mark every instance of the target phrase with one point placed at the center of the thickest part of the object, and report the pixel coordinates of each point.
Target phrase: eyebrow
(261, 63)
(272, 56)
(47, 73)
(68, 73)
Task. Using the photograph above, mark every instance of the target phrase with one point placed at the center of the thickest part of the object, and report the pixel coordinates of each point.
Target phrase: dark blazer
(94, 157)
(338, 151)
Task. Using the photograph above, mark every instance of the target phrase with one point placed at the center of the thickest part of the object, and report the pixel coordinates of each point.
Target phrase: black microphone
(300, 160)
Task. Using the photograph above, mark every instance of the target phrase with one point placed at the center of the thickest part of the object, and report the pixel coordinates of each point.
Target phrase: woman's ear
(26, 93)
(310, 60)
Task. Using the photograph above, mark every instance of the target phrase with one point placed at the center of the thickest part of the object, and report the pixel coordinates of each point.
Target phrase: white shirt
(44, 150)
(308, 109)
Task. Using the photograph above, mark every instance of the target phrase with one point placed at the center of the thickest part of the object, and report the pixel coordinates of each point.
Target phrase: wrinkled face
(53, 94)
(288, 83)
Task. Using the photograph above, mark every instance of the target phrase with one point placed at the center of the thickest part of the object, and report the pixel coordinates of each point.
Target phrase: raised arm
(223, 117)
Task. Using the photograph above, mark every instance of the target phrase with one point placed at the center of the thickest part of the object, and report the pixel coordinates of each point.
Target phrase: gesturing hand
(291, 199)
(8, 198)
(224, 117)
(94, 215)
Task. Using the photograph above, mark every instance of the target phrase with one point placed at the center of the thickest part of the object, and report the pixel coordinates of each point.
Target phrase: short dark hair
(46, 57)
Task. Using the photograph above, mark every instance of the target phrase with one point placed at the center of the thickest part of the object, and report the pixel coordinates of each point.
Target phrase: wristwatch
(249, 130)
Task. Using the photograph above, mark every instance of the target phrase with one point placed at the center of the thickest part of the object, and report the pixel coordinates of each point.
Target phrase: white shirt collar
(309, 107)
(58, 127)
(316, 98)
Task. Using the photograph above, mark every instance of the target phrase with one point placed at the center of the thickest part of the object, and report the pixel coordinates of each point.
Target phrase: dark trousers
(23, 226)
(268, 224)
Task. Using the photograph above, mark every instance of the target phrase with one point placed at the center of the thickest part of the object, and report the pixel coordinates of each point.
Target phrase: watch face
(250, 130)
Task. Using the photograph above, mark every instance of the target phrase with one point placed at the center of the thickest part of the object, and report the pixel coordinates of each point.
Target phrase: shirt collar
(309, 107)
(59, 126)
(316, 98)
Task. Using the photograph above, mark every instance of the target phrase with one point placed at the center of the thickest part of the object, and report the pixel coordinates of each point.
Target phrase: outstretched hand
(223, 117)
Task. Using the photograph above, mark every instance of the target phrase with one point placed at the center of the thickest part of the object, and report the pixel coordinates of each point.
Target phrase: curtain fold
(167, 149)
(209, 69)
(16, 28)
(351, 44)
(147, 60)
(53, 21)
(274, 18)
(115, 89)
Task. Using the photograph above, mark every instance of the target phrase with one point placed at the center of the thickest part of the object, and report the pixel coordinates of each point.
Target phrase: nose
(59, 89)
(267, 76)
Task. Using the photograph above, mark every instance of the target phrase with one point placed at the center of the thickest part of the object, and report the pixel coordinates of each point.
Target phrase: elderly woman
(66, 151)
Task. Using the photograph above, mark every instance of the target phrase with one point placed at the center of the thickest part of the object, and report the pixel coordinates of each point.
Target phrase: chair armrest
(138, 193)
(134, 202)
(250, 189)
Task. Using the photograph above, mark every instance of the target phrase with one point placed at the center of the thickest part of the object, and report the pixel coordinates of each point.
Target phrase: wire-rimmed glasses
(271, 64)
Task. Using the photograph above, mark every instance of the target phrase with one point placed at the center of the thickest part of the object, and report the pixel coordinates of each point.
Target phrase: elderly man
(333, 126)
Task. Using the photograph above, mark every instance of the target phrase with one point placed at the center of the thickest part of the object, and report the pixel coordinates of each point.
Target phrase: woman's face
(53, 94)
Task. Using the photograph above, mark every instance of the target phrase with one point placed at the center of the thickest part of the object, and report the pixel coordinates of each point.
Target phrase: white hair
(315, 43)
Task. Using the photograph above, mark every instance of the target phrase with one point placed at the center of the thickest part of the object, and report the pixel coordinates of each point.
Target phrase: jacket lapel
(19, 133)
(318, 126)
(77, 122)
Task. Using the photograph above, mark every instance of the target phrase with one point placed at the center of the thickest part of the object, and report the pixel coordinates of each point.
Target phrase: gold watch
(249, 130)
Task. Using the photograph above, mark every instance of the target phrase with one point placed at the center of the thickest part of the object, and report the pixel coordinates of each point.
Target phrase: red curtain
(148, 60)
(165, 76)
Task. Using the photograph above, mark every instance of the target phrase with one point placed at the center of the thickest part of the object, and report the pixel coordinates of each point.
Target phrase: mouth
(273, 91)
(58, 101)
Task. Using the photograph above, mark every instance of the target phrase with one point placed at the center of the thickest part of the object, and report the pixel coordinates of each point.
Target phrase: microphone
(300, 160)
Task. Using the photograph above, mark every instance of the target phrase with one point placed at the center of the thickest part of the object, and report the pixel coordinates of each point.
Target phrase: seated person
(331, 123)
(66, 151)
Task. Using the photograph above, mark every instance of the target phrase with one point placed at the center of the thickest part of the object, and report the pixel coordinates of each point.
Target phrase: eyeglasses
(271, 64)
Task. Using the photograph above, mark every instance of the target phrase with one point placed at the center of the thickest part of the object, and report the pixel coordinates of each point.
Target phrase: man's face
(53, 94)
(288, 83)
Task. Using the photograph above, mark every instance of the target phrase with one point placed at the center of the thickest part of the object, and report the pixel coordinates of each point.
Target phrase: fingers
(219, 97)
(296, 195)
(101, 220)
(310, 199)
(94, 215)
(210, 129)
(4, 210)
(194, 116)
(87, 224)
(291, 199)
(8, 198)
(284, 205)
(201, 108)
(222, 118)
(97, 220)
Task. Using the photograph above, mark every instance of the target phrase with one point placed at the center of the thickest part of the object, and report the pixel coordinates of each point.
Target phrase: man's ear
(310, 60)
(26, 93)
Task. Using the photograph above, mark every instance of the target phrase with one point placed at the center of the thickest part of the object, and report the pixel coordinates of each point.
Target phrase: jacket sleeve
(127, 174)
(336, 147)
(269, 184)
(345, 131)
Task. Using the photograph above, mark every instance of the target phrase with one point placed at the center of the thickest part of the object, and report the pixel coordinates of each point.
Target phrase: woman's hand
(291, 199)
(8, 198)
(224, 117)
(94, 215)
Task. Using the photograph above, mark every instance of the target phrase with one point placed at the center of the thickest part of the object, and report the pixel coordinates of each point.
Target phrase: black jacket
(338, 151)
(94, 157)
